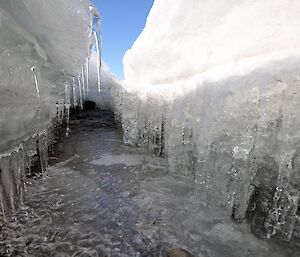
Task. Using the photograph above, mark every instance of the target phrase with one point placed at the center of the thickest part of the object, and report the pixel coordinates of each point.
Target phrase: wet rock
(178, 252)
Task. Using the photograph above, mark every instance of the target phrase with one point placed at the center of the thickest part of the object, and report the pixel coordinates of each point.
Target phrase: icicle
(98, 60)
(12, 168)
(68, 120)
(87, 70)
(7, 182)
(21, 171)
(37, 89)
(74, 93)
(17, 170)
(62, 113)
(80, 92)
(57, 113)
(67, 106)
(61, 107)
(83, 84)
(2, 201)
(42, 149)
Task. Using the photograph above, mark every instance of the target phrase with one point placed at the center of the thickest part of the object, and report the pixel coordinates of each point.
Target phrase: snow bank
(214, 86)
(183, 38)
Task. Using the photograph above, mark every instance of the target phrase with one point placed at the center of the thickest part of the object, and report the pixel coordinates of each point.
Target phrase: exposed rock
(178, 252)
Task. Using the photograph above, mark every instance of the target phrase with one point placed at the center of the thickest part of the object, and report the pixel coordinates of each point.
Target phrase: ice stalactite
(84, 90)
(12, 174)
(96, 34)
(36, 88)
(15, 166)
(74, 92)
(2, 199)
(67, 106)
(98, 64)
(7, 183)
(87, 71)
(80, 93)
(60, 112)
(43, 149)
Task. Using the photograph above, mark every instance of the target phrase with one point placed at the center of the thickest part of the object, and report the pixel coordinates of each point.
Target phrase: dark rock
(178, 252)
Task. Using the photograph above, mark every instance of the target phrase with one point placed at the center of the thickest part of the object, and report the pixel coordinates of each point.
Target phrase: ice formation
(216, 91)
(103, 98)
(45, 48)
(214, 86)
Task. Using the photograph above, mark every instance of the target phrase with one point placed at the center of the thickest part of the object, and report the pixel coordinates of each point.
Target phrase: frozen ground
(103, 198)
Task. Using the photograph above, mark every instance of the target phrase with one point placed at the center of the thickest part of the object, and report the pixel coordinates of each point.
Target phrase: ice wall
(45, 49)
(215, 87)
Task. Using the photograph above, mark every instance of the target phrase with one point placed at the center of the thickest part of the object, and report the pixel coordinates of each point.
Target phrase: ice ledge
(264, 63)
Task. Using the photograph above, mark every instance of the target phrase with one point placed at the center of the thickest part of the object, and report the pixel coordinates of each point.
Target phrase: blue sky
(122, 22)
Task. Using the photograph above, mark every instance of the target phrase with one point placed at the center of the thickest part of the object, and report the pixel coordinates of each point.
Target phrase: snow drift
(215, 87)
(184, 38)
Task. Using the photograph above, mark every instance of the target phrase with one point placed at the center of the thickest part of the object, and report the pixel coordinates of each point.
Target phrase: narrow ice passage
(196, 153)
(103, 198)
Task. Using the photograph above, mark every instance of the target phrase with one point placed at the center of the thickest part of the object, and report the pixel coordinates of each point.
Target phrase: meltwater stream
(102, 198)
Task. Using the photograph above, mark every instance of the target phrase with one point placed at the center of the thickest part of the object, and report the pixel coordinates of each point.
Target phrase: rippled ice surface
(102, 198)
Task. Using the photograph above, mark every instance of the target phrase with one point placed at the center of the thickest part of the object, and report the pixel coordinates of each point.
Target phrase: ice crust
(216, 91)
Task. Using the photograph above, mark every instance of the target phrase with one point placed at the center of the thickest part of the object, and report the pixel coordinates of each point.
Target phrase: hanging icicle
(80, 93)
(67, 106)
(37, 89)
(83, 83)
(87, 71)
(74, 93)
(98, 60)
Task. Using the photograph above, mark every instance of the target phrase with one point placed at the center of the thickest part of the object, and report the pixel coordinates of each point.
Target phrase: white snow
(183, 38)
